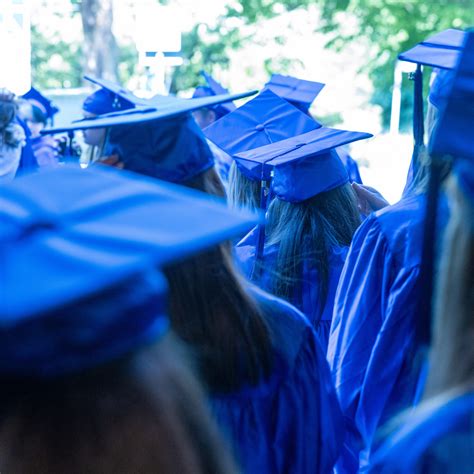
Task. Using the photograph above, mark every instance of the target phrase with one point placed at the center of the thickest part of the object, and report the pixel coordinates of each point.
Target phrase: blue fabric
(351, 165)
(156, 108)
(28, 162)
(175, 150)
(437, 438)
(298, 92)
(372, 342)
(73, 231)
(306, 295)
(453, 133)
(263, 120)
(291, 422)
(440, 50)
(99, 329)
(39, 100)
(104, 102)
(214, 88)
(304, 165)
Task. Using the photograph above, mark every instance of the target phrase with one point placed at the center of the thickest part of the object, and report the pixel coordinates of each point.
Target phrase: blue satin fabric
(306, 296)
(291, 422)
(371, 346)
(351, 165)
(436, 438)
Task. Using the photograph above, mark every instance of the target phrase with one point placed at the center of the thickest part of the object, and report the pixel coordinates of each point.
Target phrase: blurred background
(153, 46)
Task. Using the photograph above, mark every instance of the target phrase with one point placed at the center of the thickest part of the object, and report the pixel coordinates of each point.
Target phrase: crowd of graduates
(206, 288)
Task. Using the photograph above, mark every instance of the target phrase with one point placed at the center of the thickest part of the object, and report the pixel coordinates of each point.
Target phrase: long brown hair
(452, 353)
(213, 313)
(143, 414)
(305, 232)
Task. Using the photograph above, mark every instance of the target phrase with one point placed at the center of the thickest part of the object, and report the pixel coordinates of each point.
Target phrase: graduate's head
(100, 102)
(95, 381)
(261, 121)
(313, 206)
(41, 111)
(207, 116)
(172, 150)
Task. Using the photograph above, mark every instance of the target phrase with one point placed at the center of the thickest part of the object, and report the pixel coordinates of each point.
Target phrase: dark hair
(145, 413)
(8, 111)
(212, 312)
(305, 232)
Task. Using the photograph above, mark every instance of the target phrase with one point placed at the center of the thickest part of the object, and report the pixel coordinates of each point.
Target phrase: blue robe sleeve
(292, 422)
(438, 437)
(369, 339)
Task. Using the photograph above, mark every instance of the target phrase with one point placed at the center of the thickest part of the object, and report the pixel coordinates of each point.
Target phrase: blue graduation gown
(291, 422)
(437, 438)
(371, 346)
(306, 296)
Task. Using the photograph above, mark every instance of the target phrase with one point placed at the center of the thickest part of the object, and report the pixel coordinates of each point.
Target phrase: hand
(112, 160)
(369, 199)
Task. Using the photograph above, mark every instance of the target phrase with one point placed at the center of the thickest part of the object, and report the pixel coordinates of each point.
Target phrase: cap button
(259, 127)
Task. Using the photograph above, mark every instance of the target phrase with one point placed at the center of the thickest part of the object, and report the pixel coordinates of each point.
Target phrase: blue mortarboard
(304, 165)
(454, 131)
(214, 88)
(109, 98)
(37, 99)
(173, 149)
(299, 92)
(68, 235)
(263, 120)
(440, 51)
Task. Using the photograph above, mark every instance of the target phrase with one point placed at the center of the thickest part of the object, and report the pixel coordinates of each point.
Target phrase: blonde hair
(452, 353)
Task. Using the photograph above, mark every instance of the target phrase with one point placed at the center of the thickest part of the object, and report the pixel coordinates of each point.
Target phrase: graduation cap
(45, 105)
(70, 238)
(160, 139)
(298, 92)
(451, 139)
(439, 51)
(109, 98)
(214, 88)
(263, 120)
(302, 166)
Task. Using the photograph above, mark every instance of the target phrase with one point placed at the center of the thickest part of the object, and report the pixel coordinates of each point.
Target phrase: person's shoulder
(408, 207)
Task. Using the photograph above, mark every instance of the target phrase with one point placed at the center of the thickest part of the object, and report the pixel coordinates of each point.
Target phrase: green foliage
(393, 26)
(54, 63)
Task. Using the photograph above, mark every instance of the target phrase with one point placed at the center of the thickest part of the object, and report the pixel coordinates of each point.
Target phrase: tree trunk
(100, 48)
